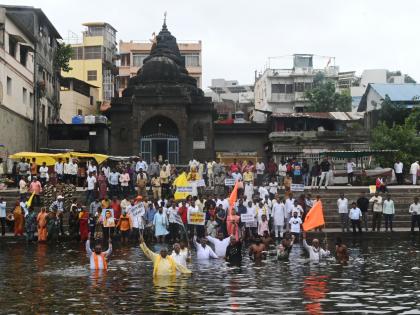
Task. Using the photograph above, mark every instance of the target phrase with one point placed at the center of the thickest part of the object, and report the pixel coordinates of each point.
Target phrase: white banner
(137, 210)
(199, 183)
(245, 218)
(297, 187)
(230, 182)
(185, 189)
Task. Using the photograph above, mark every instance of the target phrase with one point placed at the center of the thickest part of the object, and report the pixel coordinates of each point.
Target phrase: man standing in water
(163, 264)
(98, 257)
(257, 251)
(316, 253)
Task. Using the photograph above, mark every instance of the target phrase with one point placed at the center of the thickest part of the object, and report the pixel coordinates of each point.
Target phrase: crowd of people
(131, 201)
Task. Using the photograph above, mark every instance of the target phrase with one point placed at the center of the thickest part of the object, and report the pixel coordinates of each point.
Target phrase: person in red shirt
(116, 206)
(36, 188)
(183, 213)
(272, 168)
(234, 167)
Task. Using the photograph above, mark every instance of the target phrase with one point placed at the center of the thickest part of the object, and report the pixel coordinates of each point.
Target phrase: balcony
(282, 97)
(319, 135)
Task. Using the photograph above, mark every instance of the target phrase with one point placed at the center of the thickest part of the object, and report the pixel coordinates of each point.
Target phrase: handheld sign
(197, 218)
(230, 182)
(245, 218)
(184, 189)
(297, 187)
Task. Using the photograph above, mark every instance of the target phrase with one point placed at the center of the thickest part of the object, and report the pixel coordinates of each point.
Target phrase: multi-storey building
(29, 77)
(283, 90)
(133, 54)
(94, 58)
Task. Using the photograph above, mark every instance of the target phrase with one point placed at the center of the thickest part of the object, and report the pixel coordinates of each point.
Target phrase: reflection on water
(382, 277)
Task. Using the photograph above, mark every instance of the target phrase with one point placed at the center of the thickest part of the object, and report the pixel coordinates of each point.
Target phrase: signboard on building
(197, 218)
(199, 145)
(297, 187)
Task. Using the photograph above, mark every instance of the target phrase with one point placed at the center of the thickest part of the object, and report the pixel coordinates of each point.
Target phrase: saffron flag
(314, 218)
(29, 202)
(232, 198)
(182, 185)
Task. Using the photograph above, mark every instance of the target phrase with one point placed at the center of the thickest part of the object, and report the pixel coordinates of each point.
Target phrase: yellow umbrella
(40, 158)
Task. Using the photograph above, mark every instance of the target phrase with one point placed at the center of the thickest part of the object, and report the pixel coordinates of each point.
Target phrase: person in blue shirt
(150, 216)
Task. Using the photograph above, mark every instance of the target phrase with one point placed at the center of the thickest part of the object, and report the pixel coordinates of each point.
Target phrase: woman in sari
(42, 225)
(84, 224)
(19, 220)
(102, 184)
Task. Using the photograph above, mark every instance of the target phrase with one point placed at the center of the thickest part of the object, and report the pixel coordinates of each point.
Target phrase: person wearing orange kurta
(124, 224)
(41, 220)
(19, 220)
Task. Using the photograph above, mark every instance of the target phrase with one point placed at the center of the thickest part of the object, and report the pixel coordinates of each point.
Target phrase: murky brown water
(382, 277)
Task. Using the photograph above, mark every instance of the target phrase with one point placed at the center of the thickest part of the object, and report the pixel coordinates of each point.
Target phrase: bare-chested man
(257, 251)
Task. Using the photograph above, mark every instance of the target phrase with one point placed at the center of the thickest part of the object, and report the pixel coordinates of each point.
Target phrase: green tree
(414, 119)
(324, 98)
(400, 137)
(62, 57)
(391, 113)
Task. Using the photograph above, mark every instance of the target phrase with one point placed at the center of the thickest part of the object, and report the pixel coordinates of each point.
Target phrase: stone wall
(16, 132)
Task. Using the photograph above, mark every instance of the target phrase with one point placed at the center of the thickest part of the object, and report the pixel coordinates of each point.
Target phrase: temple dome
(159, 69)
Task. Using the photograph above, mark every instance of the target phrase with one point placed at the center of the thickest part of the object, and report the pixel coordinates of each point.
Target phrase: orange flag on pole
(314, 218)
(233, 197)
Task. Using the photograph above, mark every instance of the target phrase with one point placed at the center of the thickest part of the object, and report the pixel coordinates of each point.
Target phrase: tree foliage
(62, 57)
(324, 98)
(399, 137)
(392, 113)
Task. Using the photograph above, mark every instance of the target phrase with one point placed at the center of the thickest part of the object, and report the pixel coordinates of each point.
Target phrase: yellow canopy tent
(40, 158)
(100, 158)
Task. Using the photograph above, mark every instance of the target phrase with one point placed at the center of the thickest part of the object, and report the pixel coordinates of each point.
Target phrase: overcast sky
(239, 36)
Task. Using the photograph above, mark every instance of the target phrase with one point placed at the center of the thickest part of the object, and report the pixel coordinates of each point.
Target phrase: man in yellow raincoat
(163, 264)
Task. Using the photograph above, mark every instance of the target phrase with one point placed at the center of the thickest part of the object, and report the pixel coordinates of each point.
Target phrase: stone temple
(162, 113)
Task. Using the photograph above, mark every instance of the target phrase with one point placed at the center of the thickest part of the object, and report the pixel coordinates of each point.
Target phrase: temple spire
(164, 21)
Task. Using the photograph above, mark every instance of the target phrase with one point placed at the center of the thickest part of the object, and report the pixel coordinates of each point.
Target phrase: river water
(382, 277)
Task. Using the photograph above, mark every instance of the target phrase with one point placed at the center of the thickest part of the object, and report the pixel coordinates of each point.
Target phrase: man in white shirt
(377, 211)
(220, 244)
(414, 168)
(263, 192)
(237, 176)
(66, 170)
(3, 216)
(415, 214)
(114, 182)
(107, 170)
(203, 250)
(278, 215)
(297, 208)
(343, 210)
(141, 165)
(260, 168)
(73, 168)
(90, 193)
(59, 169)
(273, 187)
(355, 216)
(349, 168)
(398, 168)
(178, 256)
(210, 173)
(43, 174)
(295, 225)
(316, 253)
(289, 204)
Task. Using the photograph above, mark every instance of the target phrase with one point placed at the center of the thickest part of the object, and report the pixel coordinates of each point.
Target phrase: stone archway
(159, 138)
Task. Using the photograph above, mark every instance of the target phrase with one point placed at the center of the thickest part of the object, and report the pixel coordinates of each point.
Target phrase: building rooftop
(98, 24)
(397, 92)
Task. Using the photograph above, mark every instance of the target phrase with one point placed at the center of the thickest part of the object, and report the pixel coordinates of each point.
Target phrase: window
(278, 88)
(31, 99)
(192, 60)
(308, 86)
(77, 53)
(138, 59)
(125, 60)
(24, 96)
(23, 54)
(289, 88)
(93, 52)
(91, 100)
(299, 86)
(12, 45)
(92, 75)
(43, 114)
(9, 86)
(96, 31)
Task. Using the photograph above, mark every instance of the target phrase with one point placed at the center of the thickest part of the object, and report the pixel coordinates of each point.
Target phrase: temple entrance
(159, 139)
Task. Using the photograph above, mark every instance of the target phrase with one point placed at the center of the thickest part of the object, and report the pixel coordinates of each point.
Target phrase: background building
(77, 98)
(133, 54)
(282, 90)
(29, 77)
(94, 58)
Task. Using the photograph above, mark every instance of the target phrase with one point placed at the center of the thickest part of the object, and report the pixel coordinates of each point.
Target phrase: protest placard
(229, 182)
(245, 218)
(197, 218)
(297, 187)
(184, 189)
